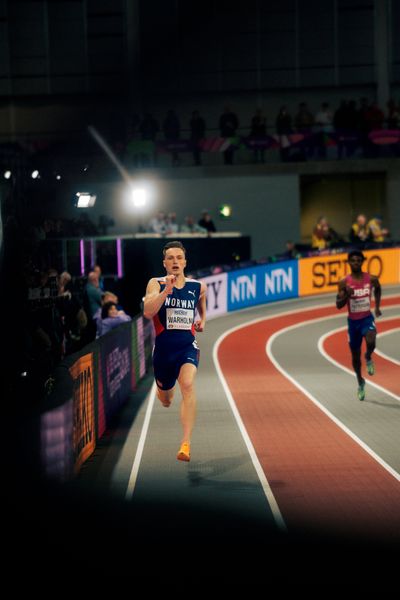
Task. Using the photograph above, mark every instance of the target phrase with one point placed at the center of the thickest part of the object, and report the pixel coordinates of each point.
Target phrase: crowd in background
(363, 232)
(351, 123)
(166, 224)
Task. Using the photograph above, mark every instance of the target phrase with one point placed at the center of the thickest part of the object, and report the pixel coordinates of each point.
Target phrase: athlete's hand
(199, 326)
(170, 281)
(348, 291)
(378, 312)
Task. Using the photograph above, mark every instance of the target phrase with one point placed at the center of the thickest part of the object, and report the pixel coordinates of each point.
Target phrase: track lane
(303, 453)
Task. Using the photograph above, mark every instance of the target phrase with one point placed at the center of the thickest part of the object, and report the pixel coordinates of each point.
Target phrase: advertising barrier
(115, 363)
(83, 436)
(320, 274)
(216, 294)
(262, 284)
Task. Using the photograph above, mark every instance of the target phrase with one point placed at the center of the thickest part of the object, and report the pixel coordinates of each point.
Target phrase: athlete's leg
(165, 396)
(370, 339)
(356, 361)
(186, 379)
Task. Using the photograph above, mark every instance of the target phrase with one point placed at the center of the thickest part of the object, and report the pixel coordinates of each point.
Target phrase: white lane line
(276, 513)
(329, 358)
(313, 399)
(139, 451)
(382, 354)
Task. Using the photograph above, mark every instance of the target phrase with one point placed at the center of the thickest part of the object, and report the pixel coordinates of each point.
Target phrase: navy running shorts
(357, 328)
(167, 364)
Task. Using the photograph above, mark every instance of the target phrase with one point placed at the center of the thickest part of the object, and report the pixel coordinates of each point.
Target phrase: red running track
(319, 475)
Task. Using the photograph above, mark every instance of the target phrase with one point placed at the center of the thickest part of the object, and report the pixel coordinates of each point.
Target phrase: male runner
(171, 302)
(355, 291)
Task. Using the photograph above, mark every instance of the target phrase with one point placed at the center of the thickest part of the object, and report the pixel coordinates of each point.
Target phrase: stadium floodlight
(85, 200)
(139, 196)
(35, 174)
(7, 174)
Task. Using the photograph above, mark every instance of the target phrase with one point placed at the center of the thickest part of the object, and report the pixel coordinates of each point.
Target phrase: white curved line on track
(139, 451)
(382, 354)
(346, 369)
(276, 513)
(339, 423)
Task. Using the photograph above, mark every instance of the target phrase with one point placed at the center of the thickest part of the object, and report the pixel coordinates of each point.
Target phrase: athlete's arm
(154, 299)
(377, 294)
(201, 308)
(344, 292)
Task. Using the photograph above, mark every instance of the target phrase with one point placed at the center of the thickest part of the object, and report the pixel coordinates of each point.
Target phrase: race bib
(179, 318)
(360, 304)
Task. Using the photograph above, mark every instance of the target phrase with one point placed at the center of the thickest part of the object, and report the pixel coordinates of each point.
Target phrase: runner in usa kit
(355, 290)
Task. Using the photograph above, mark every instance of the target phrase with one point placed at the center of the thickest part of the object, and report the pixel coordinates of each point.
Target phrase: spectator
(323, 126)
(378, 233)
(190, 226)
(158, 224)
(171, 226)
(258, 133)
(304, 122)
(111, 317)
(92, 302)
(322, 235)
(228, 124)
(73, 314)
(360, 233)
(172, 130)
(206, 222)
(290, 252)
(106, 297)
(197, 133)
(97, 269)
(283, 125)
(148, 128)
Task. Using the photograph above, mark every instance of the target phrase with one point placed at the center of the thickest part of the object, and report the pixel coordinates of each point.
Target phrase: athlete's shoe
(370, 367)
(184, 452)
(361, 390)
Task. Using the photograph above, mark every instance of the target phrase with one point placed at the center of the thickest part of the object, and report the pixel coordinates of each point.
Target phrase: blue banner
(265, 283)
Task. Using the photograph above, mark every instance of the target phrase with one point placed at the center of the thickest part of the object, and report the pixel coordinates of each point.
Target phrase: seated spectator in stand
(190, 226)
(106, 297)
(158, 223)
(323, 235)
(290, 252)
(207, 222)
(360, 233)
(111, 317)
(171, 226)
(378, 233)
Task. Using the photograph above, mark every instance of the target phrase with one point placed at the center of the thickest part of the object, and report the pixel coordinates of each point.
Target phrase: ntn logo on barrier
(262, 284)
